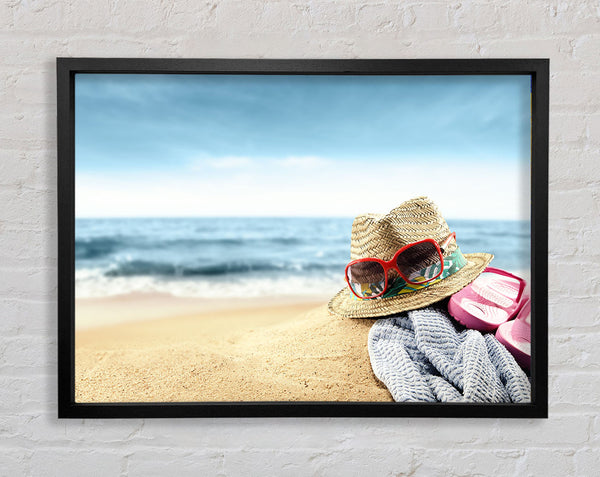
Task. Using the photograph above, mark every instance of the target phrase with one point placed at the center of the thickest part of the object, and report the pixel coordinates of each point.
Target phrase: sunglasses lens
(420, 263)
(367, 279)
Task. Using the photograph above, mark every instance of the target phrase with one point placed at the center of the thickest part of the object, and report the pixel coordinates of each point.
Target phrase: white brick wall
(33, 33)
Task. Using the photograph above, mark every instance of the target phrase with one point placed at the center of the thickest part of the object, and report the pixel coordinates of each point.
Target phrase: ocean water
(247, 257)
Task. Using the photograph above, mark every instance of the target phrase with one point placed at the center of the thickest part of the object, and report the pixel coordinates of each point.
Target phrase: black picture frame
(66, 70)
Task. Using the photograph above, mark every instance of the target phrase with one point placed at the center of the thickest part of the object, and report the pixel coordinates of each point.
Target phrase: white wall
(34, 442)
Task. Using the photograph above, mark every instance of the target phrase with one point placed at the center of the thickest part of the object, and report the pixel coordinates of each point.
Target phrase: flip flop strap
(522, 283)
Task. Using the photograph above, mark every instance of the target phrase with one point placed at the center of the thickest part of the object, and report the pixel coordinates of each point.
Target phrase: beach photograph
(222, 220)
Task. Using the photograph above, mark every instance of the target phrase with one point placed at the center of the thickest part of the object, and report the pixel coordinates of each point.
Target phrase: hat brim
(346, 305)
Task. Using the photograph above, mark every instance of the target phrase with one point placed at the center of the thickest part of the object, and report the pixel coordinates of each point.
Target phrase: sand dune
(289, 350)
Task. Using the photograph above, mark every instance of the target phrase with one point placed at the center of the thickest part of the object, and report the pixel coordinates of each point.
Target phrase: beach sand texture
(288, 350)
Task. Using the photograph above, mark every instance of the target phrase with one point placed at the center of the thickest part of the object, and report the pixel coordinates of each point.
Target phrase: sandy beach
(159, 348)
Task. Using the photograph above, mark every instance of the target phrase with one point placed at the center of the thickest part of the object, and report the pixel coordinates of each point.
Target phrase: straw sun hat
(381, 236)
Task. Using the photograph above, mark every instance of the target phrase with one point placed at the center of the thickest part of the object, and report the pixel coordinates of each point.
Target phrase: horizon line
(141, 217)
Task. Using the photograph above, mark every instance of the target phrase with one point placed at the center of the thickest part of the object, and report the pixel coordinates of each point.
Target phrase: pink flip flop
(495, 297)
(516, 336)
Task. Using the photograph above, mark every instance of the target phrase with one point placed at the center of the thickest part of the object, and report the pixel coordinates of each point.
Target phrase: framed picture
(302, 237)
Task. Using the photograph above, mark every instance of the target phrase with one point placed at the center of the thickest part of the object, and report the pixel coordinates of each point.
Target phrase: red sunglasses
(368, 277)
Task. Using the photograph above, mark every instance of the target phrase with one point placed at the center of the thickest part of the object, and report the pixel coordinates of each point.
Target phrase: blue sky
(181, 145)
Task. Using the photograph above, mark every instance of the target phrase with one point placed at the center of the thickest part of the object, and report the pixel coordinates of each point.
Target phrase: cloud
(306, 162)
(228, 162)
(243, 162)
(477, 190)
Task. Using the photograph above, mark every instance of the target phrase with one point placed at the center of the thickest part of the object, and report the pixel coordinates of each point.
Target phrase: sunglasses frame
(392, 264)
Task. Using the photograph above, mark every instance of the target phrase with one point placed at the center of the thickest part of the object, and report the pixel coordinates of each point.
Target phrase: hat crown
(381, 236)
